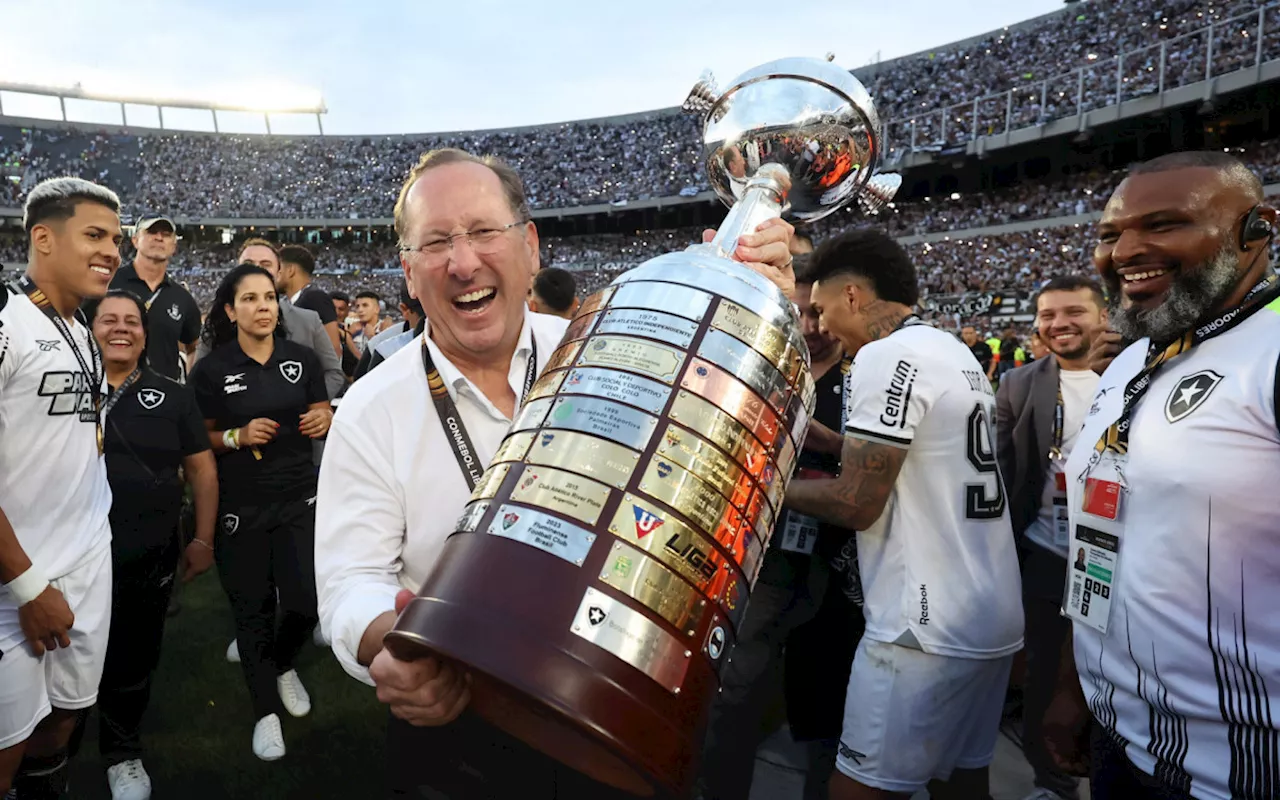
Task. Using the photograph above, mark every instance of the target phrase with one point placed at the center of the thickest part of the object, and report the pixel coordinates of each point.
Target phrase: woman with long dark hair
(264, 400)
(152, 428)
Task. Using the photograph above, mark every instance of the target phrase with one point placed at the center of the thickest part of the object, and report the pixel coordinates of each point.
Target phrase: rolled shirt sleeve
(360, 530)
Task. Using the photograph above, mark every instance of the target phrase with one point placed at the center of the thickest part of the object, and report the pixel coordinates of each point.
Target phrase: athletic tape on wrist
(27, 586)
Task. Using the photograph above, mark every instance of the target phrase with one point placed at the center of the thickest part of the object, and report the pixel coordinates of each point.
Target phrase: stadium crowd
(656, 155)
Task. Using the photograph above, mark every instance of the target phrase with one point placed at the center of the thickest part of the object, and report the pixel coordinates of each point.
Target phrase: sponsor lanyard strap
(1059, 421)
(153, 296)
(115, 396)
(447, 410)
(92, 374)
(1116, 438)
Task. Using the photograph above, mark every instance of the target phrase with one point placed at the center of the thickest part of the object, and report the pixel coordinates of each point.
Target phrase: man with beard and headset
(1171, 494)
(1039, 411)
(390, 487)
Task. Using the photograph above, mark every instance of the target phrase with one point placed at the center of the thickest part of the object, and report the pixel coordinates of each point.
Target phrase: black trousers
(469, 759)
(1046, 629)
(143, 581)
(1114, 777)
(261, 551)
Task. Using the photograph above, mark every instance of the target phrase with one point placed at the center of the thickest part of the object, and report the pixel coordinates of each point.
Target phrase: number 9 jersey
(939, 567)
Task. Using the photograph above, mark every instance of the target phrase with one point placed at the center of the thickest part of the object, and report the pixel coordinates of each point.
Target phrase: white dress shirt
(390, 486)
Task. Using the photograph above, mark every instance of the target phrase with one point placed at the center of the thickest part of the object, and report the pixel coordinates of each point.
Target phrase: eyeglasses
(483, 241)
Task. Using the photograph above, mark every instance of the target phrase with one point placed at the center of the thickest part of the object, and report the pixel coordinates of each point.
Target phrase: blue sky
(398, 66)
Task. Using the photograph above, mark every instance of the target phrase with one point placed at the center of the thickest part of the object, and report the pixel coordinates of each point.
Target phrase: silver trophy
(610, 548)
(802, 131)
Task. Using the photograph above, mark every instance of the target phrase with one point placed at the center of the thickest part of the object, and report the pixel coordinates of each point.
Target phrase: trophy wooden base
(504, 609)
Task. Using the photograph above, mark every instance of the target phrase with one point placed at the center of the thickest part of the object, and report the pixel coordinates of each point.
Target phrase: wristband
(203, 543)
(231, 439)
(27, 586)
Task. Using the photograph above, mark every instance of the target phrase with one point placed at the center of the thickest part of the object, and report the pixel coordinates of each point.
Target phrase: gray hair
(56, 199)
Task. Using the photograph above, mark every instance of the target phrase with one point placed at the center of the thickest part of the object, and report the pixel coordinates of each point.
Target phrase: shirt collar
(236, 354)
(457, 382)
(293, 298)
(130, 272)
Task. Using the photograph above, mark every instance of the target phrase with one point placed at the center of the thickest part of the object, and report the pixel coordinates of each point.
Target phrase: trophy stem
(764, 199)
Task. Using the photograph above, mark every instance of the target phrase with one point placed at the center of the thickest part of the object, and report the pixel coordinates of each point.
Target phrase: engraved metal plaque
(563, 356)
(624, 387)
(596, 458)
(543, 531)
(701, 458)
(580, 327)
(622, 424)
(732, 396)
(683, 491)
(670, 297)
(750, 367)
(562, 492)
(490, 482)
(632, 637)
(470, 519)
(532, 414)
(654, 586)
(514, 447)
(547, 385)
(767, 340)
(649, 358)
(652, 324)
(720, 429)
(670, 541)
(596, 301)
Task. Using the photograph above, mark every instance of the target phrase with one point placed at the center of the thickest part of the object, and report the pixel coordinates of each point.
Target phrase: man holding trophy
(672, 405)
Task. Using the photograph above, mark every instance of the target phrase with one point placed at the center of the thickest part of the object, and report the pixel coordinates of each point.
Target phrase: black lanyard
(154, 295)
(447, 410)
(1059, 420)
(93, 375)
(1116, 438)
(115, 396)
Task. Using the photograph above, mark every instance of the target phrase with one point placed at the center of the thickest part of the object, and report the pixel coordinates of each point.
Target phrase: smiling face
(475, 302)
(1068, 321)
(118, 329)
(255, 310)
(82, 252)
(1168, 249)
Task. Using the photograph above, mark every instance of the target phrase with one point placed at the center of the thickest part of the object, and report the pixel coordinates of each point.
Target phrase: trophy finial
(878, 191)
(703, 95)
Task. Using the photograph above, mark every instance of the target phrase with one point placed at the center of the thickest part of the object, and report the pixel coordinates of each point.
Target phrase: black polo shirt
(172, 317)
(232, 389)
(317, 300)
(152, 427)
(982, 352)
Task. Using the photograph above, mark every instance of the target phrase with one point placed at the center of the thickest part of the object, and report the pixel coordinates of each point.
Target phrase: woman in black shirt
(152, 427)
(264, 400)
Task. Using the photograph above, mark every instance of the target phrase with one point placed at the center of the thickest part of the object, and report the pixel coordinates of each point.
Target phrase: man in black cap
(173, 317)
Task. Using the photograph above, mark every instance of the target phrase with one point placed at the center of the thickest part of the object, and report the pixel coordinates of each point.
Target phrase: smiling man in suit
(1039, 411)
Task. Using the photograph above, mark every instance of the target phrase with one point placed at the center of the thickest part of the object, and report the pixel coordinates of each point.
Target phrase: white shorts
(66, 678)
(911, 717)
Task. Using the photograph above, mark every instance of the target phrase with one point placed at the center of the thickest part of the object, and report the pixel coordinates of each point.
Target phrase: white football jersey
(53, 482)
(1188, 674)
(939, 568)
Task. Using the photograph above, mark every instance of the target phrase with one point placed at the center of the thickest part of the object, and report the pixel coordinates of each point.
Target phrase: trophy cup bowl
(597, 577)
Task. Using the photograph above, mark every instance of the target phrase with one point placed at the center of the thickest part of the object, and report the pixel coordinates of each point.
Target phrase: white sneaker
(129, 781)
(233, 652)
(293, 694)
(268, 738)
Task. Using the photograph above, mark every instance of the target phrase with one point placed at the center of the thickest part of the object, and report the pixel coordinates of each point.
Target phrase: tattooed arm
(857, 498)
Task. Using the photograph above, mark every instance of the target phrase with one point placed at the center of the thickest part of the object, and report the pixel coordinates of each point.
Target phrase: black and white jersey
(1187, 676)
(173, 319)
(939, 567)
(53, 483)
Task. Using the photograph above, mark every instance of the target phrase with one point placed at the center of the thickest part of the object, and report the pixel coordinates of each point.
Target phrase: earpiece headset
(1254, 228)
